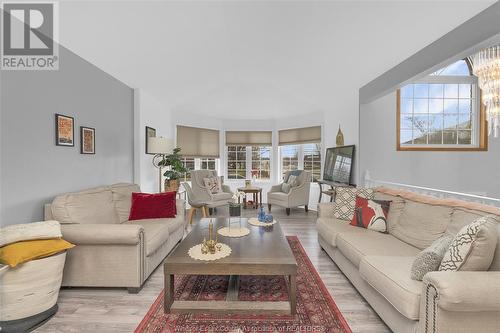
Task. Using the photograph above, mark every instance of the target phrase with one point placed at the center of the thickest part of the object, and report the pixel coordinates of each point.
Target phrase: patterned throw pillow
(429, 259)
(213, 184)
(371, 214)
(345, 201)
(473, 247)
(291, 182)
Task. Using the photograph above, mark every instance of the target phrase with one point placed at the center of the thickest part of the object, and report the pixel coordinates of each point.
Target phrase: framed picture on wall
(65, 130)
(87, 140)
(150, 133)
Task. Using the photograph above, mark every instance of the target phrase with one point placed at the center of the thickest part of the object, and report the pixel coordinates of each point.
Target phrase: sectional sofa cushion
(429, 259)
(389, 276)
(395, 209)
(155, 233)
(94, 206)
(329, 228)
(355, 246)
(473, 247)
(122, 197)
(421, 224)
(345, 200)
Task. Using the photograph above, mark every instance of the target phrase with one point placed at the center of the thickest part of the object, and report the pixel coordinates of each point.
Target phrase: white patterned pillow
(213, 184)
(473, 247)
(345, 201)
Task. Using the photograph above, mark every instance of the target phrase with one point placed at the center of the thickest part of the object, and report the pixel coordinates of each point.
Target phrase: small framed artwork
(150, 133)
(65, 130)
(87, 140)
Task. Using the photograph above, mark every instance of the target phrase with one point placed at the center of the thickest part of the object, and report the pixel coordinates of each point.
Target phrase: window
(236, 162)
(189, 164)
(305, 156)
(257, 158)
(261, 162)
(441, 112)
(312, 159)
(207, 164)
(289, 158)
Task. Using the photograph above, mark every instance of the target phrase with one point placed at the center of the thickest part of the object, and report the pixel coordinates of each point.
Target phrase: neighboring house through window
(441, 111)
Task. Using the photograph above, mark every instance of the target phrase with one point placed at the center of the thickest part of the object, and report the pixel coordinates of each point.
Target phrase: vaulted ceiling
(254, 60)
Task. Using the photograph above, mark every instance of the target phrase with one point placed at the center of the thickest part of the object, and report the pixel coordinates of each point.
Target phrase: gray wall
(33, 169)
(471, 172)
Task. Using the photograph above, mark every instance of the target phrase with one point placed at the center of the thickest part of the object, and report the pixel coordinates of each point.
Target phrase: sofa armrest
(325, 209)
(102, 234)
(275, 188)
(180, 205)
(465, 291)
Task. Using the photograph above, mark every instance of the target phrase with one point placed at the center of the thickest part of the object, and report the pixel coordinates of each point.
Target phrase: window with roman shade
(249, 154)
(198, 142)
(300, 149)
(302, 135)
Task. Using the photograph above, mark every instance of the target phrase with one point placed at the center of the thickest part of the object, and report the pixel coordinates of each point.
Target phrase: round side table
(256, 193)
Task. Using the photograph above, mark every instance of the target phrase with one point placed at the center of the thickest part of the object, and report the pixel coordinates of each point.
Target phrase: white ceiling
(254, 60)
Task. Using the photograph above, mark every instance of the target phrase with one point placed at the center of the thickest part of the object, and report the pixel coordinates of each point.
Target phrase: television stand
(331, 191)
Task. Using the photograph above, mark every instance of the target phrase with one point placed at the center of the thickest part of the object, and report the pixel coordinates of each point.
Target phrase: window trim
(482, 127)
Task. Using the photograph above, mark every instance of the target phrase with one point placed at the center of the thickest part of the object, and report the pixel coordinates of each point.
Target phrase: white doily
(257, 223)
(195, 253)
(233, 232)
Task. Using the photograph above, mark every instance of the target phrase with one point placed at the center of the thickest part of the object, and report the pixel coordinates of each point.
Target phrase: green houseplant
(176, 169)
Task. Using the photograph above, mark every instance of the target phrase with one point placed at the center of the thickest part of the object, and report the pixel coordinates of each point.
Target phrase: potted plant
(235, 205)
(176, 170)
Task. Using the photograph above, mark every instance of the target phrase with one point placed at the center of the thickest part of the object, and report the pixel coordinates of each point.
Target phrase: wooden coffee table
(262, 252)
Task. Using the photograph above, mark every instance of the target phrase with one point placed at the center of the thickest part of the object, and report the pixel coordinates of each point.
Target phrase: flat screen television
(339, 162)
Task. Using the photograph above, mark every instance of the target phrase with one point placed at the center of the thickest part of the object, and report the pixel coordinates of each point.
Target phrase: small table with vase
(256, 194)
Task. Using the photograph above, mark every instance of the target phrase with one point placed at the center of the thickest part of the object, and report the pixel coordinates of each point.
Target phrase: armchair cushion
(290, 182)
(102, 234)
(222, 196)
(213, 184)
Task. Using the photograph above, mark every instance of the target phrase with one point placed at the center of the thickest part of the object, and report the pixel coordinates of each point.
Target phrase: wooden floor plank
(115, 310)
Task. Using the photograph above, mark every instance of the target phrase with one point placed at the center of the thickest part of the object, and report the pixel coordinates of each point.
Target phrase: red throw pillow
(371, 214)
(152, 206)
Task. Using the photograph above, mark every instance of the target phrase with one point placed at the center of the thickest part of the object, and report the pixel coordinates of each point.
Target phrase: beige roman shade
(249, 138)
(198, 142)
(300, 135)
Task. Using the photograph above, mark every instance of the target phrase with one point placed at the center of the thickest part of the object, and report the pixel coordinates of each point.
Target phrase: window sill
(442, 148)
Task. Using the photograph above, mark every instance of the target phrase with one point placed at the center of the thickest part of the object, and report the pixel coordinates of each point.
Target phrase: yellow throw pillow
(20, 252)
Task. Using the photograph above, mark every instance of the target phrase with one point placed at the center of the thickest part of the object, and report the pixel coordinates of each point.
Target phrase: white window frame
(300, 156)
(476, 110)
(248, 161)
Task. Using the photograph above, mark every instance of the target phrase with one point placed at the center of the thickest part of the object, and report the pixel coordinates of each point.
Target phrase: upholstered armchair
(199, 195)
(298, 194)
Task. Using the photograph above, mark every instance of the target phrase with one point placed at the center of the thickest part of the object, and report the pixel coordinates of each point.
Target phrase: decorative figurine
(269, 218)
(211, 245)
(262, 214)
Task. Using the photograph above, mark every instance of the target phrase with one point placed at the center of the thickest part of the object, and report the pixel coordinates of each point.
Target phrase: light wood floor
(115, 310)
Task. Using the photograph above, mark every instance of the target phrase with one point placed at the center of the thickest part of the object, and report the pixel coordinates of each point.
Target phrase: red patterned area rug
(316, 310)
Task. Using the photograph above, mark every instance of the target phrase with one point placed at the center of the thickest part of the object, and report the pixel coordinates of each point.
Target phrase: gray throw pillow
(429, 259)
(291, 182)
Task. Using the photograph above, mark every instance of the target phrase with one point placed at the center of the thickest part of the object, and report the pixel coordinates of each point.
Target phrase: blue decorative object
(269, 218)
(262, 214)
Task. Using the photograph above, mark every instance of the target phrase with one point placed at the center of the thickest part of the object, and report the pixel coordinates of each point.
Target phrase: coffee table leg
(169, 292)
(293, 294)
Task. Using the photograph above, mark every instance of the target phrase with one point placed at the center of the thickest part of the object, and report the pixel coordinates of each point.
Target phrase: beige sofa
(112, 251)
(378, 265)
